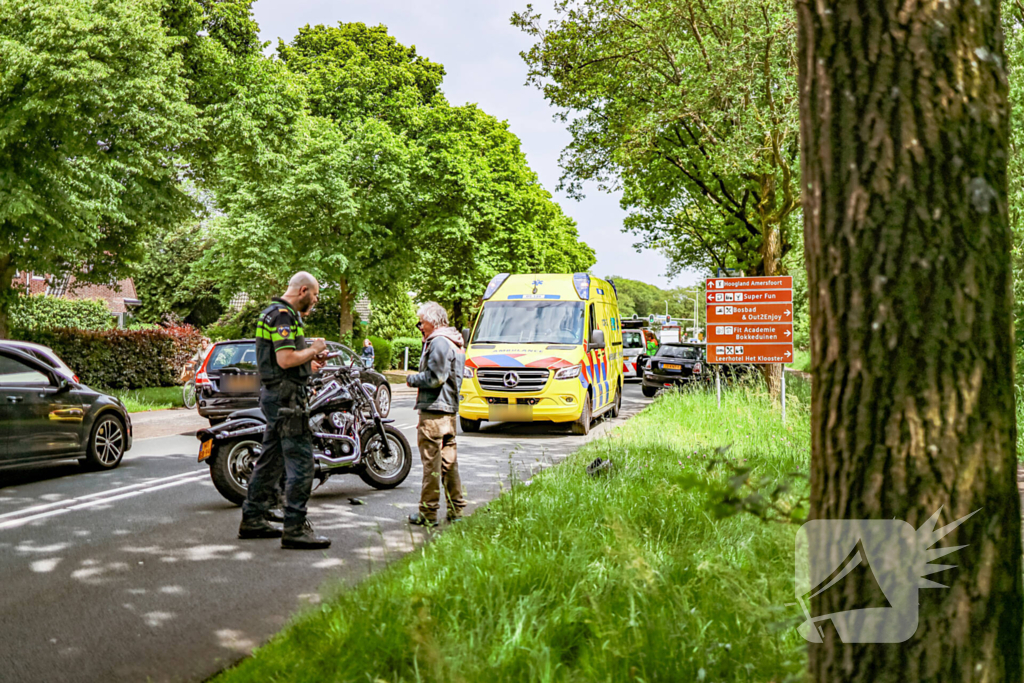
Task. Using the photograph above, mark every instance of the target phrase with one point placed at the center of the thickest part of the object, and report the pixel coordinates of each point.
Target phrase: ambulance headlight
(569, 373)
(468, 373)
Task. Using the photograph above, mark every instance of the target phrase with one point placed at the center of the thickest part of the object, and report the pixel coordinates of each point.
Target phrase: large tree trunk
(904, 124)
(346, 300)
(771, 258)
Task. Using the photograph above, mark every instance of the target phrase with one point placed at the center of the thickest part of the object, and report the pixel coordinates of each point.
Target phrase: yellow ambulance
(544, 347)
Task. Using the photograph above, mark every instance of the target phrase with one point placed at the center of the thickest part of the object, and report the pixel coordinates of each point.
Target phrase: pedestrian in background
(439, 382)
(368, 353)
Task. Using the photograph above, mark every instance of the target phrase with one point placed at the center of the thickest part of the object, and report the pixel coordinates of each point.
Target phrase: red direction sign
(768, 296)
(750, 353)
(749, 313)
(732, 284)
(751, 334)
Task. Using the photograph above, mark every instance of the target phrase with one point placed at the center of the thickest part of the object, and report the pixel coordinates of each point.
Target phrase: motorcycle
(349, 437)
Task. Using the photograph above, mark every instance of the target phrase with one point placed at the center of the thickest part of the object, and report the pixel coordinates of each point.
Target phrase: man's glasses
(419, 326)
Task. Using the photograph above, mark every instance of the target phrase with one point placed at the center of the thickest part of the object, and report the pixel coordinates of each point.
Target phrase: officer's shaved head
(303, 279)
(303, 292)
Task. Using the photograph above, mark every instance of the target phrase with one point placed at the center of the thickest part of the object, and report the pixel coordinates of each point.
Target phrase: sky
(479, 49)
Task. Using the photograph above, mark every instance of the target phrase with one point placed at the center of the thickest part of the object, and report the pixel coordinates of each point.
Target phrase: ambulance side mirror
(597, 339)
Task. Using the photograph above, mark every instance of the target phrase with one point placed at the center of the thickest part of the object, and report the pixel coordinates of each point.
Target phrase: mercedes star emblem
(511, 380)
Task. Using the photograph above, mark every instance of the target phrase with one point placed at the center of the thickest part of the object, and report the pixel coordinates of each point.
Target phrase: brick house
(119, 297)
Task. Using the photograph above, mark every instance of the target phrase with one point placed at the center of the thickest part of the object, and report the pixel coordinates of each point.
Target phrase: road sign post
(750, 321)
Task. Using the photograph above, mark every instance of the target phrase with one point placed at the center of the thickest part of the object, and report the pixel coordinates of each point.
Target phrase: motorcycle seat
(255, 413)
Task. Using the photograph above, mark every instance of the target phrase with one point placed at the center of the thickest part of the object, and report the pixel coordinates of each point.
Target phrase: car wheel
(106, 445)
(382, 397)
(649, 392)
(618, 403)
(581, 427)
(468, 425)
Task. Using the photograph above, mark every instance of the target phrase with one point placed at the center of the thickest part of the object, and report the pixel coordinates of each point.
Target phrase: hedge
(381, 353)
(122, 359)
(41, 312)
(415, 346)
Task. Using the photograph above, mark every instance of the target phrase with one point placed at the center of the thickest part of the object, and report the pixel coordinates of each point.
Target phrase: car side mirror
(597, 339)
(62, 383)
(465, 336)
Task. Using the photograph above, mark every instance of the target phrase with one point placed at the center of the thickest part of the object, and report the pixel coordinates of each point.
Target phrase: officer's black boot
(304, 538)
(258, 528)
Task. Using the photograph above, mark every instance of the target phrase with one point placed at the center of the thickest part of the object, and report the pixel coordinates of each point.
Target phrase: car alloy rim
(109, 442)
(383, 401)
(241, 459)
(385, 465)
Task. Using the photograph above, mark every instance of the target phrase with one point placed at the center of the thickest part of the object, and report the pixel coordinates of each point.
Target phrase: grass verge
(624, 577)
(149, 398)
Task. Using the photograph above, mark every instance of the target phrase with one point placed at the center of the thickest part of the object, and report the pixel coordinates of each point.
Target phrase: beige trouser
(435, 435)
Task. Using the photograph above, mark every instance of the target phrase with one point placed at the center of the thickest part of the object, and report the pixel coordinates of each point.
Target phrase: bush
(415, 346)
(381, 353)
(392, 316)
(240, 324)
(123, 359)
(40, 312)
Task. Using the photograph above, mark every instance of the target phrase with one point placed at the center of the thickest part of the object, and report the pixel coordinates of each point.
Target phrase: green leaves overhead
(688, 107)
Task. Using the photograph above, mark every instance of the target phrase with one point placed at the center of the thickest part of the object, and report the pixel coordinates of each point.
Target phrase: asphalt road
(137, 575)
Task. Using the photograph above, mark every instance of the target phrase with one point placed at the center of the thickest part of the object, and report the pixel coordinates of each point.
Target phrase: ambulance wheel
(468, 425)
(581, 427)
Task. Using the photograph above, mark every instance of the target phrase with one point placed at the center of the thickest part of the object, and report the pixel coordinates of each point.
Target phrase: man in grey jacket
(439, 382)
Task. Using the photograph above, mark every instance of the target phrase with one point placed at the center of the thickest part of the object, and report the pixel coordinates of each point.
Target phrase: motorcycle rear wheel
(384, 471)
(231, 467)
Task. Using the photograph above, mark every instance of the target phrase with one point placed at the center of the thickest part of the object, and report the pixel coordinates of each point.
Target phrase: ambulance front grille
(525, 379)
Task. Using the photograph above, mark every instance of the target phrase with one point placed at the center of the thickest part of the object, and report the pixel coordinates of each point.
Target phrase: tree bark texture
(904, 134)
(345, 300)
(8, 294)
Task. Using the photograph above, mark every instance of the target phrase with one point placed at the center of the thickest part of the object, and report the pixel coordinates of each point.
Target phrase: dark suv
(675, 364)
(229, 380)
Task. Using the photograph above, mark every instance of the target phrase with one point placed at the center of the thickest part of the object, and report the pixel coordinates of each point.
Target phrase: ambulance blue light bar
(582, 284)
(492, 286)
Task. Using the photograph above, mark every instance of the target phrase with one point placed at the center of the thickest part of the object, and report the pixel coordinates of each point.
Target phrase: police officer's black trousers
(292, 455)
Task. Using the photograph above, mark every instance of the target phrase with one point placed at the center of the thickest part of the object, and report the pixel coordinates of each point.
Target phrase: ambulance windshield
(530, 322)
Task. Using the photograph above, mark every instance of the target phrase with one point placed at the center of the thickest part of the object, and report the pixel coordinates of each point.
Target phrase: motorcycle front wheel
(231, 467)
(384, 469)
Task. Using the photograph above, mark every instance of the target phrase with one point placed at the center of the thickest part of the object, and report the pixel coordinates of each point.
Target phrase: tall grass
(149, 398)
(621, 577)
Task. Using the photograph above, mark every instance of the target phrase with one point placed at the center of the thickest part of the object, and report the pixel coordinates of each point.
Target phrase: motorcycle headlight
(468, 372)
(569, 373)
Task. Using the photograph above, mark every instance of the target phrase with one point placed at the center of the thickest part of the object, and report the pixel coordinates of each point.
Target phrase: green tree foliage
(93, 109)
(44, 312)
(171, 279)
(382, 352)
(688, 107)
(392, 315)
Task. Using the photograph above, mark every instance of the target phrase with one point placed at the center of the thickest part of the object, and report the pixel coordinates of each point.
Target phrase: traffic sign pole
(718, 387)
(783, 395)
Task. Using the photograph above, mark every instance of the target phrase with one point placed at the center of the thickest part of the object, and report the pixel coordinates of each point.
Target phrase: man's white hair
(303, 279)
(433, 313)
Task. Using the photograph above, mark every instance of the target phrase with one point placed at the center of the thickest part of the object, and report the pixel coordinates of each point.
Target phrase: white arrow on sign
(787, 354)
(787, 333)
(787, 312)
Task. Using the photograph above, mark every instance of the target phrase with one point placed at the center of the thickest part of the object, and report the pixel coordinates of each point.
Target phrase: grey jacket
(440, 377)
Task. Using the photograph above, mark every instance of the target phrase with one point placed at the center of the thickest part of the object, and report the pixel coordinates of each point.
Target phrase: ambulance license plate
(513, 413)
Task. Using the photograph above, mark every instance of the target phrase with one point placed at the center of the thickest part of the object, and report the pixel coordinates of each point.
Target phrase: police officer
(285, 363)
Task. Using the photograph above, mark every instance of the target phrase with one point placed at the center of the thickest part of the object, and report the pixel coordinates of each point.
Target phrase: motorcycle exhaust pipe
(329, 462)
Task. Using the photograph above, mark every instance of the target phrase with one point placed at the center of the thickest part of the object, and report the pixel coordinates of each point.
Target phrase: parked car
(44, 415)
(228, 379)
(674, 364)
(45, 354)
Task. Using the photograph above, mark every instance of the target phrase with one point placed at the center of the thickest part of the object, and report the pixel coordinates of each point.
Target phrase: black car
(228, 379)
(675, 364)
(44, 415)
